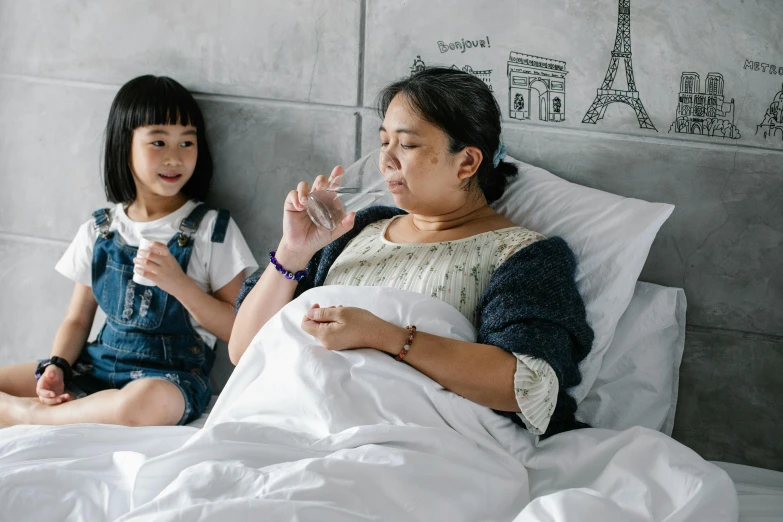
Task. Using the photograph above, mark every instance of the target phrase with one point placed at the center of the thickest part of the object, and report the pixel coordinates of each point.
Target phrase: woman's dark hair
(464, 108)
(151, 100)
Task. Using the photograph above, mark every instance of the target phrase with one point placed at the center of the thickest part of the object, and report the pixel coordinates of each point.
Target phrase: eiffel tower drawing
(606, 95)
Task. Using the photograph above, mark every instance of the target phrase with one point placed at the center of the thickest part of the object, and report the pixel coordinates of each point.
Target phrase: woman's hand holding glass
(301, 237)
(360, 185)
(315, 216)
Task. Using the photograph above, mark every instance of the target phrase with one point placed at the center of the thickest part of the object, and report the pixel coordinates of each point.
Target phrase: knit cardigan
(530, 307)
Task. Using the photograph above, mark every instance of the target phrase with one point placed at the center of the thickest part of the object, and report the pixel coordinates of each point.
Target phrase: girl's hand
(343, 328)
(51, 386)
(159, 266)
(301, 237)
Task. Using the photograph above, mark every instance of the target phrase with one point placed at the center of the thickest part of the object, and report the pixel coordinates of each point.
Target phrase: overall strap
(191, 223)
(102, 222)
(220, 226)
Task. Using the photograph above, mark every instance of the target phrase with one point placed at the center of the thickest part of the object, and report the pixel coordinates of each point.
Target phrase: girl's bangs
(164, 103)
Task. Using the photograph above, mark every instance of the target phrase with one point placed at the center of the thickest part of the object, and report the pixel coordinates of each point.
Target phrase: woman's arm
(481, 373)
(301, 240)
(271, 293)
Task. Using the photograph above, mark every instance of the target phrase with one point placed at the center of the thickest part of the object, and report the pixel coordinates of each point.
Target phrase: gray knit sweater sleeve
(532, 307)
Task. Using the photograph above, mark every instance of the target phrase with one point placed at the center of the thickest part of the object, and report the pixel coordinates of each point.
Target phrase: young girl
(150, 362)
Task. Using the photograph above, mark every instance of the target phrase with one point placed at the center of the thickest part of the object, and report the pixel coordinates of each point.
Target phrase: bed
(301, 433)
(288, 439)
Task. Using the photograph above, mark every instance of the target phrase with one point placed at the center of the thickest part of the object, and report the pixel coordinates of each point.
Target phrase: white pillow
(638, 381)
(610, 235)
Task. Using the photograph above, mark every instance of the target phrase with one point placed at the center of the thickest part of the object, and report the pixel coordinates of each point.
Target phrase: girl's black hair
(151, 100)
(462, 106)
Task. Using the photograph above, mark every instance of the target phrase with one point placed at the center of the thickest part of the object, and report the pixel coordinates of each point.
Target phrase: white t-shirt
(211, 266)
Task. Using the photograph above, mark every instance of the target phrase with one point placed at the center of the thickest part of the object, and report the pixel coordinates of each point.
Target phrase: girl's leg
(18, 380)
(146, 402)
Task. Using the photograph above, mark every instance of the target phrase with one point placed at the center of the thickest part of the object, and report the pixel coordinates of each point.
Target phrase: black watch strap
(56, 361)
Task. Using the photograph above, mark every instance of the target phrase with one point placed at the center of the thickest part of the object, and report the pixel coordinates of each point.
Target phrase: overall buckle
(186, 230)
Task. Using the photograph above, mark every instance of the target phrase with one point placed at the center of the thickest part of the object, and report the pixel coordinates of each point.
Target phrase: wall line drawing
(485, 75)
(704, 112)
(536, 85)
(772, 124)
(418, 65)
(605, 94)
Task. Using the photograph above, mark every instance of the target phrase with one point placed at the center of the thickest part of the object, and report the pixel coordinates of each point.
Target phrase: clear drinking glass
(358, 186)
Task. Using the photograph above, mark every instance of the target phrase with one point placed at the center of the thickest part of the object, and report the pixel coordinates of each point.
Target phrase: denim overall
(148, 333)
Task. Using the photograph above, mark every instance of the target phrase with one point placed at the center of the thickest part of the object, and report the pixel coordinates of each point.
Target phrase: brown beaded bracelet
(411, 333)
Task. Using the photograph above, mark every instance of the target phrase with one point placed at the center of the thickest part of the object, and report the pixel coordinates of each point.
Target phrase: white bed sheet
(300, 433)
(760, 492)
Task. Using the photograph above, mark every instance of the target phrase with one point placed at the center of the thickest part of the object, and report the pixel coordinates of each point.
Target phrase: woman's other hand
(344, 327)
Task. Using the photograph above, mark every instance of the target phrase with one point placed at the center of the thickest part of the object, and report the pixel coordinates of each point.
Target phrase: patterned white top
(456, 272)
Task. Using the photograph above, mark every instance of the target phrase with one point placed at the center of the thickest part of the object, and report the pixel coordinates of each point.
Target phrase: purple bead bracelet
(288, 275)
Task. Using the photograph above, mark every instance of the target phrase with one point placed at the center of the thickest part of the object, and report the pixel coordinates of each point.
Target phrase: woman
(442, 128)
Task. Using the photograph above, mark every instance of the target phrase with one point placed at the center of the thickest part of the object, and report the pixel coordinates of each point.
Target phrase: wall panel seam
(756, 336)
(39, 240)
(589, 133)
(362, 40)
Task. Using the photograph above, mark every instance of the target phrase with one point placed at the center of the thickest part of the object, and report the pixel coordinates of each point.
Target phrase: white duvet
(304, 434)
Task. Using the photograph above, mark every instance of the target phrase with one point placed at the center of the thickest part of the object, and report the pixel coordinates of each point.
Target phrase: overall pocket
(131, 304)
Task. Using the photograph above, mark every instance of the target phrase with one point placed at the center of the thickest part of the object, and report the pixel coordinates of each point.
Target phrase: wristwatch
(57, 361)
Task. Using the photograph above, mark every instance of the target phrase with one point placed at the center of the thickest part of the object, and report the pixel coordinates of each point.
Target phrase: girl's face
(163, 158)
(431, 179)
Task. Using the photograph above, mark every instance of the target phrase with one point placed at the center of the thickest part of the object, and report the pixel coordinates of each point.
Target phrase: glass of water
(358, 186)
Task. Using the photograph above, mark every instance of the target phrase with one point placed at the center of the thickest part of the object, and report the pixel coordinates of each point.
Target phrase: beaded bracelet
(288, 275)
(411, 334)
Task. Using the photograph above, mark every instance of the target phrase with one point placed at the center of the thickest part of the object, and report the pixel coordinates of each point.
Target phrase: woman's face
(430, 179)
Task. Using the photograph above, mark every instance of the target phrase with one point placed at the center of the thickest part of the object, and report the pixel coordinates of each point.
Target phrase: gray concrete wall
(288, 87)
